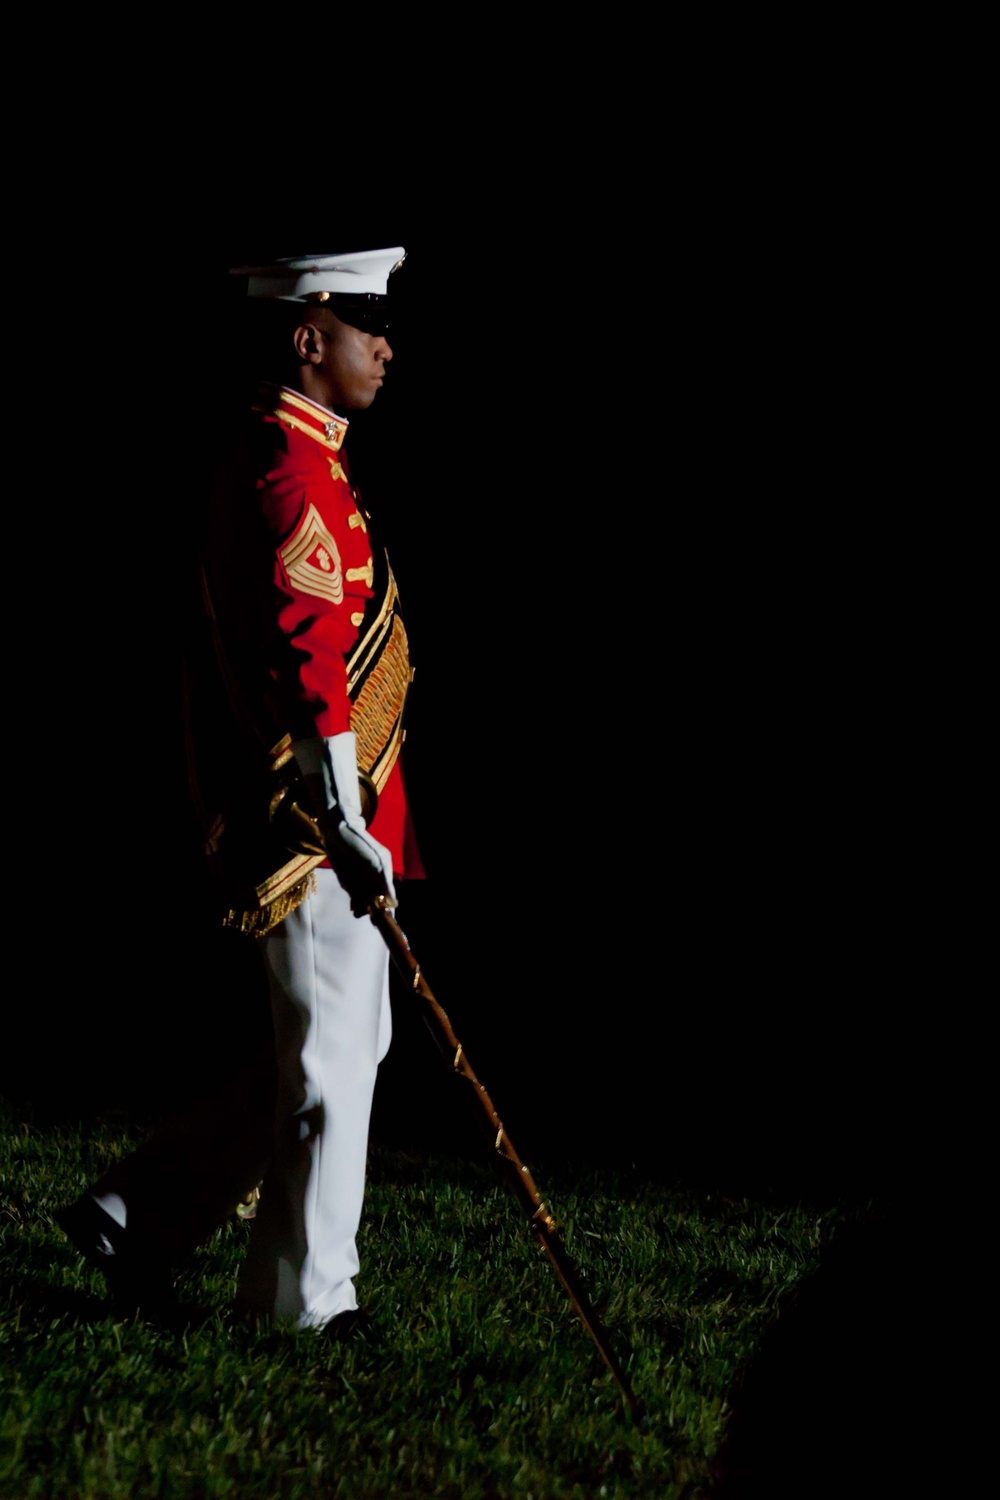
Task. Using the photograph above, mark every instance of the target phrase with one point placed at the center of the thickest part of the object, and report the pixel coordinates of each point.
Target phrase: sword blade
(540, 1219)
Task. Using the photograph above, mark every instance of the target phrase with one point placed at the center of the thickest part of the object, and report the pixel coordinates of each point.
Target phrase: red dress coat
(305, 638)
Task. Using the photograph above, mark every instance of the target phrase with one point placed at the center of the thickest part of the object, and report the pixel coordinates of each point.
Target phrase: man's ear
(307, 343)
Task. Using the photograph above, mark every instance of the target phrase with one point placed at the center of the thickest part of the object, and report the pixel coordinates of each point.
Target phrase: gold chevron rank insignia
(311, 559)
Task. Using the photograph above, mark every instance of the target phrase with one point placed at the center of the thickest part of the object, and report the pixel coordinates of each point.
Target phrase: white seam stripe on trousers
(328, 973)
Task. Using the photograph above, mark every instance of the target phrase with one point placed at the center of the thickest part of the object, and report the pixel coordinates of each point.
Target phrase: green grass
(476, 1379)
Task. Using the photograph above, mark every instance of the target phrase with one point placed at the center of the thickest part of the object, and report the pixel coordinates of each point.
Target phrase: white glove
(362, 865)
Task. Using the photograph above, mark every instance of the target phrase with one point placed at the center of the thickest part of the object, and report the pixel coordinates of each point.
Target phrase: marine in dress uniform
(295, 697)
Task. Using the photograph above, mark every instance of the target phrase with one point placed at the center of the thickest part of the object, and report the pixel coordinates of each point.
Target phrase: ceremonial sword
(303, 833)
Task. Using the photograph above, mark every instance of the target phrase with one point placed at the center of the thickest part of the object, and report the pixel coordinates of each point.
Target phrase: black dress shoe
(354, 1323)
(138, 1285)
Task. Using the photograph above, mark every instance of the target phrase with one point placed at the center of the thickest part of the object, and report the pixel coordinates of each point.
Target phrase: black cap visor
(365, 310)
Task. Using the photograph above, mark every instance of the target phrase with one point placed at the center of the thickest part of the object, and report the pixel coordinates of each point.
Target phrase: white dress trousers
(328, 973)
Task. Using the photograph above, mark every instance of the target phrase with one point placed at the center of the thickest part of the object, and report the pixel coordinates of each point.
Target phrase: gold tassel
(258, 923)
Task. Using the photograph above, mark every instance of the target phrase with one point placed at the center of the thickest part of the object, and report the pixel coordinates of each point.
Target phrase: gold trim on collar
(324, 426)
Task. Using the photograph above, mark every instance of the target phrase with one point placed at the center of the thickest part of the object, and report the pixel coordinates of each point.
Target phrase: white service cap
(364, 272)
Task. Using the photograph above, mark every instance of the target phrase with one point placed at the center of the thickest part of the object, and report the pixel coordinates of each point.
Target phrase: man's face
(353, 362)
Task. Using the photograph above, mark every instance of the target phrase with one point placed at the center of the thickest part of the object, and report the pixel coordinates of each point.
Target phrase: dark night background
(656, 475)
(654, 743)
